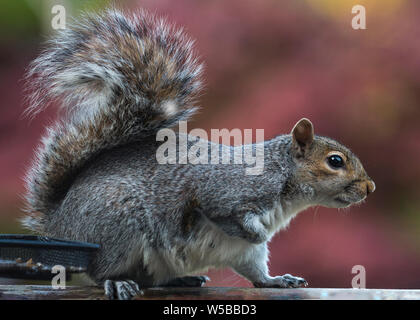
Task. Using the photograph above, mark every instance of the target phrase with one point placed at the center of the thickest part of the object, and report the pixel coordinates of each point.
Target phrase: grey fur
(155, 222)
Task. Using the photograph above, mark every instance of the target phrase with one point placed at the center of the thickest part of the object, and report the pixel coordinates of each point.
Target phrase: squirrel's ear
(302, 136)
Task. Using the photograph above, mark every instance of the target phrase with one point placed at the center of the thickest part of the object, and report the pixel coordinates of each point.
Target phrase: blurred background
(269, 63)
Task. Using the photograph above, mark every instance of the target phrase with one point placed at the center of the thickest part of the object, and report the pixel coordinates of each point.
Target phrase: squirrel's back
(120, 78)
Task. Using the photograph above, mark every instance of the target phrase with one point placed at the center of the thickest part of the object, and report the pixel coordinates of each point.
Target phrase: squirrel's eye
(335, 161)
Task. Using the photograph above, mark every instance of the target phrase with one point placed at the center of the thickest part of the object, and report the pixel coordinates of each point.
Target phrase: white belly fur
(213, 248)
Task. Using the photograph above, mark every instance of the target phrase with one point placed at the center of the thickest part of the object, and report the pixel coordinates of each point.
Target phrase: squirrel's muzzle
(370, 186)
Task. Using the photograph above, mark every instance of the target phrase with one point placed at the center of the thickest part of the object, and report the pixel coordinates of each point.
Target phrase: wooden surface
(13, 292)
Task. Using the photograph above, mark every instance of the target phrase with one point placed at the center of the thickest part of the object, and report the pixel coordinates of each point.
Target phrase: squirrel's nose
(370, 186)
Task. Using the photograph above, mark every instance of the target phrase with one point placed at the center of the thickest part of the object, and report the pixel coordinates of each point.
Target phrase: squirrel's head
(333, 173)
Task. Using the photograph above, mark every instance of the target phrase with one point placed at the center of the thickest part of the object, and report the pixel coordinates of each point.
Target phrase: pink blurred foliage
(269, 63)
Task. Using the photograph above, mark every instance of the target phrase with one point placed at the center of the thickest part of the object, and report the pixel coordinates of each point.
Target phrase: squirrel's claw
(284, 281)
(121, 290)
(295, 282)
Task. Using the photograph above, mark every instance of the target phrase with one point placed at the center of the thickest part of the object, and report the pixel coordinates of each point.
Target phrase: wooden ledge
(17, 292)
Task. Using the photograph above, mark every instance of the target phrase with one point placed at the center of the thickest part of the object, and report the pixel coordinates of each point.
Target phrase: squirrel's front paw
(285, 281)
(121, 290)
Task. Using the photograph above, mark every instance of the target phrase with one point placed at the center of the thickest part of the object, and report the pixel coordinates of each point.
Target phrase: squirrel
(120, 78)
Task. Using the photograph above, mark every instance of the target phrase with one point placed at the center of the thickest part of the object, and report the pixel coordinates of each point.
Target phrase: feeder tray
(33, 257)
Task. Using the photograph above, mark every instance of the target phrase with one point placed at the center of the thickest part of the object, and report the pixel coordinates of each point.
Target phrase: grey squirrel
(121, 78)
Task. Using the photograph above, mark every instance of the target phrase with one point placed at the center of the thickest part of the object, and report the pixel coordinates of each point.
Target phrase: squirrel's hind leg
(121, 290)
(190, 281)
(128, 289)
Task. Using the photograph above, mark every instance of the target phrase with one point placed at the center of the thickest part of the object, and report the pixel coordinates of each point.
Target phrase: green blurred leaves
(23, 19)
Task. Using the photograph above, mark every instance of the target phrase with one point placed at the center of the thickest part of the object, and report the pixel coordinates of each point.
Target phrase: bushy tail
(120, 78)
